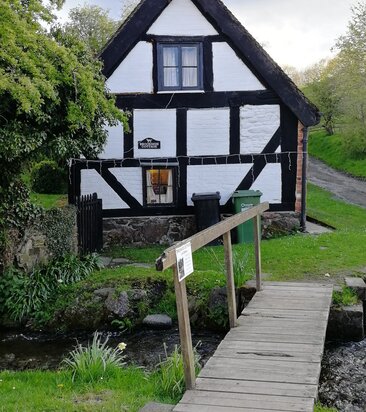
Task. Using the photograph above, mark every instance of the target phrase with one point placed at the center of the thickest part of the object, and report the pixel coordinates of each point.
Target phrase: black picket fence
(90, 223)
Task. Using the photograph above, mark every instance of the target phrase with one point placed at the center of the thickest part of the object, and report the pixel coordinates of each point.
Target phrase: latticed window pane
(170, 56)
(171, 77)
(190, 56)
(159, 186)
(189, 77)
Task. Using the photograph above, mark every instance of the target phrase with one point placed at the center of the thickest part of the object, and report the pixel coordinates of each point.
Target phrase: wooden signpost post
(179, 257)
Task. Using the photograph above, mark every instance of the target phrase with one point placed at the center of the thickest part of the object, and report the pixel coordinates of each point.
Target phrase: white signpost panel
(184, 261)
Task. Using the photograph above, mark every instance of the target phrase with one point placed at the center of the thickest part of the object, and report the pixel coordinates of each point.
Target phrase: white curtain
(151, 197)
(171, 69)
(189, 66)
(169, 193)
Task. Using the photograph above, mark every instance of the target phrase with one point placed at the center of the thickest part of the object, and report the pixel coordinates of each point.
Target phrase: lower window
(159, 187)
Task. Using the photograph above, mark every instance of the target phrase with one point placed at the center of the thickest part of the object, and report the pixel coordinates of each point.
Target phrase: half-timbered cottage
(210, 111)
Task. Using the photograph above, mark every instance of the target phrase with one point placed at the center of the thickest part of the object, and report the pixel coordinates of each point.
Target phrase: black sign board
(149, 143)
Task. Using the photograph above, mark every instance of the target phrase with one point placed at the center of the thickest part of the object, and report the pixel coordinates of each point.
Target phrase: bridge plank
(272, 360)
(254, 401)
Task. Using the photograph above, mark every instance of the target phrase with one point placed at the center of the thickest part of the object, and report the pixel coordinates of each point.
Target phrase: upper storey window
(180, 66)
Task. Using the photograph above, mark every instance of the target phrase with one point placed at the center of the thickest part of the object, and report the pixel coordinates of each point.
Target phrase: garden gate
(90, 223)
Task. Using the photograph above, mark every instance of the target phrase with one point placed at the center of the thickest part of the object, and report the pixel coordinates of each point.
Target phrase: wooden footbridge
(271, 358)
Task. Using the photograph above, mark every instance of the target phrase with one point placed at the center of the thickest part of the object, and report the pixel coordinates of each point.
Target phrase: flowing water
(342, 384)
(343, 378)
(19, 351)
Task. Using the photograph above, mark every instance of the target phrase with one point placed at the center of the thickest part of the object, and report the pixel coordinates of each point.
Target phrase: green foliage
(167, 305)
(16, 210)
(52, 92)
(92, 25)
(96, 361)
(240, 267)
(170, 373)
(125, 324)
(59, 226)
(24, 295)
(322, 90)
(320, 408)
(48, 177)
(346, 297)
(330, 149)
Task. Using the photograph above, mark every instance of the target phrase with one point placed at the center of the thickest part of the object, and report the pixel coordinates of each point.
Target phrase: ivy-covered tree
(52, 93)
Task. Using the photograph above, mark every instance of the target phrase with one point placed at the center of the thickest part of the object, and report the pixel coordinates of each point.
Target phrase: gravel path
(343, 186)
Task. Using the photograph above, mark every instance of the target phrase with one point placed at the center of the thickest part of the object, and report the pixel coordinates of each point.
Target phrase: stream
(20, 351)
(342, 382)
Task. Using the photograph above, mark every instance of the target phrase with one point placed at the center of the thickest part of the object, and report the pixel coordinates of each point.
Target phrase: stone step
(358, 286)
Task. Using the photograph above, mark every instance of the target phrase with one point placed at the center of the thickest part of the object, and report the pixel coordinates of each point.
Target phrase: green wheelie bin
(243, 200)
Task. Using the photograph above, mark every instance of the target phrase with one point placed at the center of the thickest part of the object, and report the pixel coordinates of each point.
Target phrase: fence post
(230, 284)
(184, 330)
(257, 243)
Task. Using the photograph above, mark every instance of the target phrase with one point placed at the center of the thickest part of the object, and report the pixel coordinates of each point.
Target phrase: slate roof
(226, 24)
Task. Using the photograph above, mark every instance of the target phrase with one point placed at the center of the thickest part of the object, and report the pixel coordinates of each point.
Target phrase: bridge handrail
(169, 259)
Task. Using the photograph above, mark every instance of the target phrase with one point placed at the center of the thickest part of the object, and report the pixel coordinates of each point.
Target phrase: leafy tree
(322, 90)
(52, 100)
(52, 92)
(350, 72)
(128, 7)
(92, 25)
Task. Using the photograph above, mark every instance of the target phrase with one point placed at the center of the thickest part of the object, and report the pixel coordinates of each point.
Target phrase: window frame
(174, 186)
(160, 64)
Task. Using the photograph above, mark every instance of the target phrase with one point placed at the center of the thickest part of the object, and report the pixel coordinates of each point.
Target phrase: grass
(292, 257)
(49, 201)
(321, 408)
(36, 391)
(345, 297)
(330, 150)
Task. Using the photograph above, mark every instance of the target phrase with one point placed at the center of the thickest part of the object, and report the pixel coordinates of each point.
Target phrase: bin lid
(206, 196)
(247, 193)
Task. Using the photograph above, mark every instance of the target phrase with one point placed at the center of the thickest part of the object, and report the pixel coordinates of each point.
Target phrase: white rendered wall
(257, 126)
(113, 148)
(208, 132)
(131, 179)
(182, 18)
(269, 182)
(158, 124)
(92, 182)
(215, 178)
(230, 72)
(134, 74)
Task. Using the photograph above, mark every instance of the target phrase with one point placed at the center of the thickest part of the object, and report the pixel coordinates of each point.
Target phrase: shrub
(23, 295)
(95, 361)
(47, 177)
(171, 373)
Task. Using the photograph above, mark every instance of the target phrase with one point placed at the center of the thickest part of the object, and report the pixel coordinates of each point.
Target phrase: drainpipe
(304, 178)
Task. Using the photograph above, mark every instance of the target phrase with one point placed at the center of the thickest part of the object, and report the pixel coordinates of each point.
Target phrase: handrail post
(257, 244)
(230, 284)
(184, 330)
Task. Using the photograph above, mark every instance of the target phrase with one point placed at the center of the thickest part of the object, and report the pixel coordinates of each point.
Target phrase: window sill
(180, 91)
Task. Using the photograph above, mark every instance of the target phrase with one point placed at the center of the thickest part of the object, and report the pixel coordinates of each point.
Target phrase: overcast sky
(294, 32)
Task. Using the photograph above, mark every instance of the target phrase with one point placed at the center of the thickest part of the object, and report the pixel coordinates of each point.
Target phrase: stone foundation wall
(165, 230)
(148, 230)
